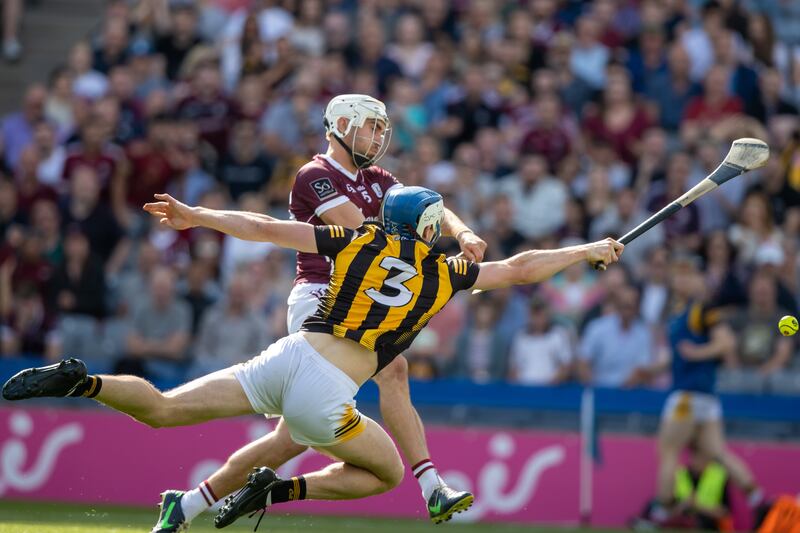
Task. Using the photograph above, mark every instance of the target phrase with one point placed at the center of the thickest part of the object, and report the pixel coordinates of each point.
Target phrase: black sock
(89, 388)
(288, 490)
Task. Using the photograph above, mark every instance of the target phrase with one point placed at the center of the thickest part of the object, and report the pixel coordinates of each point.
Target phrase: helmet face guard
(431, 216)
(357, 109)
(409, 211)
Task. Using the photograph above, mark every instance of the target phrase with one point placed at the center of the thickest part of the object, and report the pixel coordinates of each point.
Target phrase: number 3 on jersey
(403, 295)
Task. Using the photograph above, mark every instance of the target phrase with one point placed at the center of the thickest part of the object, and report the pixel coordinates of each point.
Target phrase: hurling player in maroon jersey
(344, 187)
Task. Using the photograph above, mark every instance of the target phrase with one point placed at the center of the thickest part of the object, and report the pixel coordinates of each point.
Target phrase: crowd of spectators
(543, 123)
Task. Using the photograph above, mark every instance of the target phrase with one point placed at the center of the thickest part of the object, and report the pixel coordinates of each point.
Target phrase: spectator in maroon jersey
(605, 13)
(715, 104)
(619, 119)
(32, 268)
(547, 137)
(207, 105)
(25, 320)
(29, 188)
(107, 160)
(150, 163)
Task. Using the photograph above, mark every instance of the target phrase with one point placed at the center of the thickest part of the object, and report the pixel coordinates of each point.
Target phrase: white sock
(427, 477)
(197, 500)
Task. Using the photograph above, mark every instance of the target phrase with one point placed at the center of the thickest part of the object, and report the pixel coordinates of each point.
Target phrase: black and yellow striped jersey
(383, 289)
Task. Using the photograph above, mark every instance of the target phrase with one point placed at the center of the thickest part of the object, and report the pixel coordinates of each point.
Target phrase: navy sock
(89, 388)
(288, 490)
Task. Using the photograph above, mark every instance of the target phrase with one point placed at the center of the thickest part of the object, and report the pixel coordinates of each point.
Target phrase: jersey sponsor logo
(323, 188)
(378, 191)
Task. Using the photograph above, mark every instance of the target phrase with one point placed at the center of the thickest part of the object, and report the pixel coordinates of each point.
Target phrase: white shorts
(302, 302)
(689, 406)
(314, 397)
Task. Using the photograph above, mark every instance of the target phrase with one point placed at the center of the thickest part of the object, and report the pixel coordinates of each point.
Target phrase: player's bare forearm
(527, 267)
(257, 227)
(534, 266)
(452, 225)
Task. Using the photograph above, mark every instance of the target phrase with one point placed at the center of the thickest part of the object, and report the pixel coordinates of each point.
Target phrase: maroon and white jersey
(323, 184)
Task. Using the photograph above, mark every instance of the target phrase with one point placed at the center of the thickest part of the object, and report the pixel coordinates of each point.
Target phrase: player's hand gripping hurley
(745, 154)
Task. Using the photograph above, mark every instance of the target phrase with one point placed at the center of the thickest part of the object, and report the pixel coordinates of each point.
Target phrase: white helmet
(357, 109)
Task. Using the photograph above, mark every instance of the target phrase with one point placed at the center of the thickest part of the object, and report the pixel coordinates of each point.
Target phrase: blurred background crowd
(543, 122)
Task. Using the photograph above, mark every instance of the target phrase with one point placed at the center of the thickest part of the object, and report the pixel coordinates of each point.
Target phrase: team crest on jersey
(378, 191)
(323, 188)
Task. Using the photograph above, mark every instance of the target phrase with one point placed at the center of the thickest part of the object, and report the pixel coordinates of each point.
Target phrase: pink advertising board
(97, 456)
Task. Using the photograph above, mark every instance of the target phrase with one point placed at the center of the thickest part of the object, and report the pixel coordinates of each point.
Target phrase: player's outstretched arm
(240, 224)
(534, 266)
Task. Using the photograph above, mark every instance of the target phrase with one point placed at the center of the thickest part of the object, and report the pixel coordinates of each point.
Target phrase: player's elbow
(500, 274)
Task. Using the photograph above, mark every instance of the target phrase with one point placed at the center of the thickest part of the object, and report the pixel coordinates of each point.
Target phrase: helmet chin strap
(359, 160)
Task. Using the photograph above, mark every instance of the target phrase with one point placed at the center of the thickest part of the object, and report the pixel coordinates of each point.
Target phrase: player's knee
(393, 475)
(394, 375)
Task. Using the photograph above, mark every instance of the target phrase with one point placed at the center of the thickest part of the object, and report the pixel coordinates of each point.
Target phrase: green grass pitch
(23, 517)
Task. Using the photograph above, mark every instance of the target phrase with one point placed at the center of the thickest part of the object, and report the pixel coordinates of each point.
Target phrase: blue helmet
(407, 211)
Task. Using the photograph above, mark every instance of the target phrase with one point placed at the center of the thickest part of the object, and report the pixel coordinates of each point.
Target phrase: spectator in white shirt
(51, 154)
(617, 349)
(542, 354)
(589, 56)
(539, 199)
